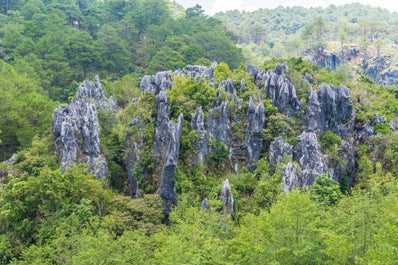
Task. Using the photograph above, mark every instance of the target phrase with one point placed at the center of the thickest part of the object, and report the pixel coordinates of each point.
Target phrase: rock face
(227, 198)
(219, 124)
(167, 190)
(280, 90)
(162, 125)
(255, 116)
(308, 161)
(307, 153)
(277, 150)
(197, 72)
(76, 128)
(156, 83)
(202, 145)
(330, 108)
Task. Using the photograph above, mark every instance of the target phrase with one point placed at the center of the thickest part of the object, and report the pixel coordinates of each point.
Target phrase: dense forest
(360, 36)
(135, 132)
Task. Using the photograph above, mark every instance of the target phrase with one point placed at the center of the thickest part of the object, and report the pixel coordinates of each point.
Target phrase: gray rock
(161, 126)
(167, 189)
(307, 153)
(330, 108)
(218, 123)
(197, 72)
(393, 125)
(292, 177)
(281, 91)
(255, 116)
(227, 198)
(76, 128)
(132, 161)
(156, 83)
(202, 145)
(204, 206)
(252, 69)
(277, 150)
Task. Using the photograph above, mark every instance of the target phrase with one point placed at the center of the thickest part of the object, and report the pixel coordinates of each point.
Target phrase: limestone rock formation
(202, 145)
(255, 116)
(227, 198)
(197, 72)
(167, 189)
(162, 124)
(330, 108)
(218, 123)
(277, 150)
(76, 128)
(292, 177)
(156, 83)
(280, 90)
(307, 153)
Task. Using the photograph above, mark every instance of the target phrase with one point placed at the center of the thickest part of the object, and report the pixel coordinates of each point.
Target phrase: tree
(114, 56)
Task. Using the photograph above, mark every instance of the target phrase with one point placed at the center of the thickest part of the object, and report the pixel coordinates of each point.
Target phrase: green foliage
(329, 141)
(325, 190)
(221, 72)
(187, 95)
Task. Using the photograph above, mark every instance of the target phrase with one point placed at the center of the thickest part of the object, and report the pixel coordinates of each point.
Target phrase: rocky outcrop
(252, 70)
(330, 108)
(255, 116)
(227, 198)
(280, 90)
(167, 189)
(133, 161)
(307, 153)
(331, 60)
(219, 124)
(202, 144)
(292, 177)
(197, 72)
(76, 128)
(161, 126)
(156, 83)
(277, 151)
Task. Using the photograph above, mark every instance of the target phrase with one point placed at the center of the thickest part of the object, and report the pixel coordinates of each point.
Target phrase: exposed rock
(218, 123)
(167, 189)
(162, 125)
(5, 57)
(252, 69)
(11, 160)
(277, 150)
(133, 160)
(76, 129)
(197, 72)
(202, 145)
(291, 177)
(393, 125)
(204, 206)
(307, 153)
(345, 167)
(319, 56)
(330, 108)
(255, 116)
(156, 83)
(227, 198)
(280, 90)
(309, 78)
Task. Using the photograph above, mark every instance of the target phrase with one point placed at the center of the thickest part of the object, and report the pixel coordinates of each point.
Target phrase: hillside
(173, 152)
(360, 36)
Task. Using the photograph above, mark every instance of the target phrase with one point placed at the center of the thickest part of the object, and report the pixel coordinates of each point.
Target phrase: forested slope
(362, 37)
(52, 46)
